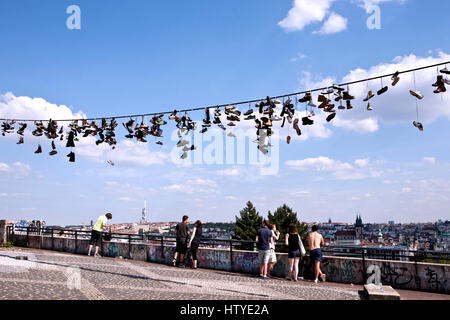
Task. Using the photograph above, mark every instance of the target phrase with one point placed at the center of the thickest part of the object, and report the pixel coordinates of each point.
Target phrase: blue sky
(150, 56)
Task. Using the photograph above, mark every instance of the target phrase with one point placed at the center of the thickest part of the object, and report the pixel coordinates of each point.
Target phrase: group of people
(266, 238)
(187, 243)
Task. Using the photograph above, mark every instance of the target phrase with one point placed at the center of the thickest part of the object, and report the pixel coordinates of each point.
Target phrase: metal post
(53, 246)
(162, 247)
(231, 254)
(129, 246)
(364, 266)
(76, 241)
(28, 237)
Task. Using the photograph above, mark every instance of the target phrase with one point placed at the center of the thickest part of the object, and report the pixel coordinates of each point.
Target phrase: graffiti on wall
(434, 281)
(246, 262)
(114, 250)
(373, 275)
(395, 275)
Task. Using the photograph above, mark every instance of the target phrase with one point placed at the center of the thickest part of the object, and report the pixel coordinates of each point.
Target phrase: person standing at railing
(273, 255)
(315, 241)
(97, 231)
(293, 241)
(182, 234)
(194, 242)
(263, 241)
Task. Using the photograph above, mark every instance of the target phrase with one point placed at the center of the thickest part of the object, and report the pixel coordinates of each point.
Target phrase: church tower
(359, 227)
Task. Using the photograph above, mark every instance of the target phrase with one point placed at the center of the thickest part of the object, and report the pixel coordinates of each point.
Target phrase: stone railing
(398, 274)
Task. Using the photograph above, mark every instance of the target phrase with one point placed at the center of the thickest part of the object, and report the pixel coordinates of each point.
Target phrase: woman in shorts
(292, 240)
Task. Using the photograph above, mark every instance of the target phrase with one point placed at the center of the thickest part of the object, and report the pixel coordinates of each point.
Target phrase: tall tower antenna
(144, 213)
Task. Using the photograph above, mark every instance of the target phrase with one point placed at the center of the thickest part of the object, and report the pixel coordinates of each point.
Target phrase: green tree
(247, 225)
(282, 218)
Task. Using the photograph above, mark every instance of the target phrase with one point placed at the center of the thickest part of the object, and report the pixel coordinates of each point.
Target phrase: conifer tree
(247, 225)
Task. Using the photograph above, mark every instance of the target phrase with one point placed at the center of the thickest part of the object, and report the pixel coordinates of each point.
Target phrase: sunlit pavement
(48, 275)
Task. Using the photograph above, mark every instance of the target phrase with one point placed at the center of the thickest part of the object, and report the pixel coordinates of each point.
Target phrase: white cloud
(16, 169)
(127, 152)
(429, 160)
(305, 12)
(362, 163)
(406, 190)
(334, 24)
(396, 105)
(229, 172)
(299, 56)
(193, 186)
(126, 199)
(338, 169)
(33, 108)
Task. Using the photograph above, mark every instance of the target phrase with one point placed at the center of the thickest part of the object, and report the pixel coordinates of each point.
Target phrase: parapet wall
(398, 274)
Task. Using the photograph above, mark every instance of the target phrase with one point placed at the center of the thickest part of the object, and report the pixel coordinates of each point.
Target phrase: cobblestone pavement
(47, 275)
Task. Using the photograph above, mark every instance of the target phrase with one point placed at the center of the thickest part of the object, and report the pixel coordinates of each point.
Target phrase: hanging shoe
(296, 127)
(369, 108)
(418, 125)
(231, 124)
(337, 88)
(53, 152)
(445, 71)
(221, 126)
(249, 112)
(347, 96)
(70, 143)
(22, 128)
(173, 115)
(20, 140)
(71, 157)
(288, 139)
(370, 95)
(184, 155)
(110, 163)
(306, 98)
(416, 94)
(438, 82)
(383, 90)
(204, 130)
(341, 107)
(327, 91)
(231, 135)
(324, 103)
(339, 97)
(440, 89)
(331, 117)
(38, 150)
(159, 143)
(349, 105)
(395, 78)
(307, 121)
(250, 117)
(263, 150)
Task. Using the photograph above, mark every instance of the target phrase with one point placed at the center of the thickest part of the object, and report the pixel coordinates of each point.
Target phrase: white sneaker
(316, 281)
(369, 108)
(416, 94)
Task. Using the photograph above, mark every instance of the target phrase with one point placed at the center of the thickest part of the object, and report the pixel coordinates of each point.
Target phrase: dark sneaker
(383, 90)
(331, 117)
(418, 125)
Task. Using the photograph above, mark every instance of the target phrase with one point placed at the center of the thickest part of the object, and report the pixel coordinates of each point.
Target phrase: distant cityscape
(413, 236)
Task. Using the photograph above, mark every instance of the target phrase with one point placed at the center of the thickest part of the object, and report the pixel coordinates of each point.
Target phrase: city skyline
(149, 57)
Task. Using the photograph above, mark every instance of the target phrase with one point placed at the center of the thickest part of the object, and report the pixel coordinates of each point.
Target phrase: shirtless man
(315, 241)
